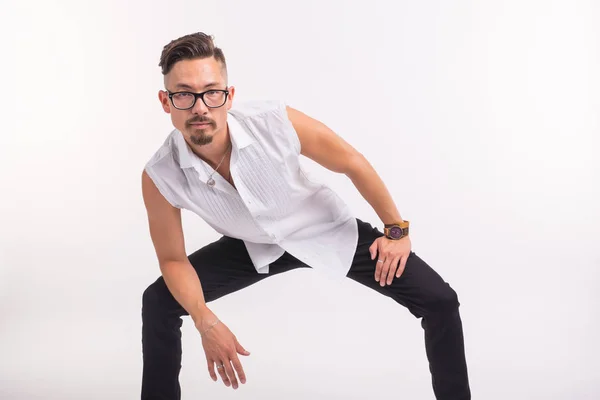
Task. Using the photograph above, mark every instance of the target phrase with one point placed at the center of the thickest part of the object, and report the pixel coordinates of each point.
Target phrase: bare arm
(324, 146)
(220, 344)
(167, 236)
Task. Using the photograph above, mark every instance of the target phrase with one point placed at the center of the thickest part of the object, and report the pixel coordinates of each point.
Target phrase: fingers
(385, 268)
(392, 271)
(373, 250)
(240, 349)
(221, 369)
(230, 374)
(224, 356)
(378, 265)
(237, 365)
(211, 370)
(401, 267)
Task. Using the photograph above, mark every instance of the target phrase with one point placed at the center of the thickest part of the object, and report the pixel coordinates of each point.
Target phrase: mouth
(200, 124)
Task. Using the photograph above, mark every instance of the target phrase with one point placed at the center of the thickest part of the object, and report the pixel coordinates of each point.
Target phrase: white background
(480, 116)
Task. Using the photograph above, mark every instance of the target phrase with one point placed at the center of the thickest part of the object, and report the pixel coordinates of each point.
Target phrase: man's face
(200, 123)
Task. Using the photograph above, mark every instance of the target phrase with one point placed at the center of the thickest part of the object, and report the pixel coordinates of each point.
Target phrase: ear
(163, 97)
(230, 97)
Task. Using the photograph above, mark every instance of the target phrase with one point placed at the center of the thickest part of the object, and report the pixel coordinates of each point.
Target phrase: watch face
(396, 232)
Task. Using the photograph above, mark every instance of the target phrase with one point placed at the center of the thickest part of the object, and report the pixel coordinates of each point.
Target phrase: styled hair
(190, 47)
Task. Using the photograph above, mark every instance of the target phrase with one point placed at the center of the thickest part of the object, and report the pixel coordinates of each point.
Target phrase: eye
(182, 95)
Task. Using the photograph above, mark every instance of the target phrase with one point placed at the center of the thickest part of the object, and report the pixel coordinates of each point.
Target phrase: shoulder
(164, 153)
(163, 169)
(268, 121)
(164, 163)
(258, 108)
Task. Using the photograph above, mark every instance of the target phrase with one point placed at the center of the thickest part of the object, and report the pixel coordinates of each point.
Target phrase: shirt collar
(183, 149)
(239, 136)
(240, 139)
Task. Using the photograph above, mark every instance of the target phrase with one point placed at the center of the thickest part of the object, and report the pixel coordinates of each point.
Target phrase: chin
(200, 138)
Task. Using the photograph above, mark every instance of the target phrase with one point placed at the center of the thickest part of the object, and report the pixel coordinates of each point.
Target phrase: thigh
(223, 267)
(420, 288)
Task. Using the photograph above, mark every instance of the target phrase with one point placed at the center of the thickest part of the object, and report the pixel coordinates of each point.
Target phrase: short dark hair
(189, 47)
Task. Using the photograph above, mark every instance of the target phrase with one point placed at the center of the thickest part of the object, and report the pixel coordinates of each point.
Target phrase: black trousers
(225, 266)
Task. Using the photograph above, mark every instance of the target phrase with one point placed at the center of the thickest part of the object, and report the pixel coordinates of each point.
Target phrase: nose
(199, 108)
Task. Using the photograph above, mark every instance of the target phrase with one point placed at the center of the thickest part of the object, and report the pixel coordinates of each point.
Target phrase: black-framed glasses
(213, 98)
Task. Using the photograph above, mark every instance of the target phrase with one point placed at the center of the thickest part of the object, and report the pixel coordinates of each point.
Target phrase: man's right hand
(222, 348)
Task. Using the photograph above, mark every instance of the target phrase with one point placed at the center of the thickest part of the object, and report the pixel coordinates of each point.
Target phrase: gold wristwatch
(396, 231)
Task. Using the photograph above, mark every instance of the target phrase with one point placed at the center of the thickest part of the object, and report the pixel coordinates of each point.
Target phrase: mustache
(199, 120)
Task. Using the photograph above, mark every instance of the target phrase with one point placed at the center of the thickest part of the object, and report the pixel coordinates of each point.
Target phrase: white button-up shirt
(276, 207)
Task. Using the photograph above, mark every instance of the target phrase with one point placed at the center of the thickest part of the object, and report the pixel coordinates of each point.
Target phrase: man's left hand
(391, 258)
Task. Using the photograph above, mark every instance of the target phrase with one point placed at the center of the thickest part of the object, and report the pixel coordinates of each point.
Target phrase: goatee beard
(199, 136)
(201, 139)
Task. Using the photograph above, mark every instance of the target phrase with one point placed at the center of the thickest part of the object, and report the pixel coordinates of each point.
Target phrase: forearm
(371, 187)
(183, 283)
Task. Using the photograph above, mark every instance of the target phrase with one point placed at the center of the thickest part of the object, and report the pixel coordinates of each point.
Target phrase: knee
(150, 299)
(148, 296)
(443, 301)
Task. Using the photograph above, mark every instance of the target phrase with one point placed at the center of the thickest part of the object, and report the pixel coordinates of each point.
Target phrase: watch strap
(401, 224)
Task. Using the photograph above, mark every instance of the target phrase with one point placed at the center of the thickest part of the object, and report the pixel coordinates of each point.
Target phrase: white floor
(312, 342)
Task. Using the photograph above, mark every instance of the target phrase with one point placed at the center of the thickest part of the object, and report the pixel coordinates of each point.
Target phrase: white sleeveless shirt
(276, 208)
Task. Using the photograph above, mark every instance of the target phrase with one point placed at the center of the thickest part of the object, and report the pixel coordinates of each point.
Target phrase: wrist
(201, 315)
(398, 221)
(397, 230)
(207, 326)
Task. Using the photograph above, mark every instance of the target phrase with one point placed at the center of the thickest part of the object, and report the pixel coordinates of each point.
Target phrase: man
(238, 169)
